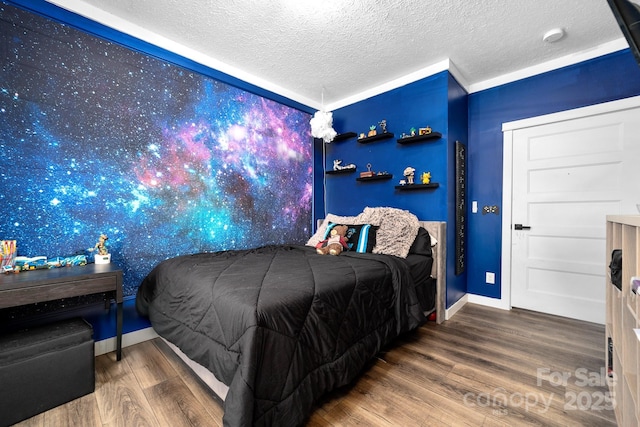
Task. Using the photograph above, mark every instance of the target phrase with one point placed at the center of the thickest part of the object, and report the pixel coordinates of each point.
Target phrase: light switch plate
(491, 278)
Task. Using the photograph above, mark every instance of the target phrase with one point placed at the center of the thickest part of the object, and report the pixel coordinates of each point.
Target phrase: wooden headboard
(437, 229)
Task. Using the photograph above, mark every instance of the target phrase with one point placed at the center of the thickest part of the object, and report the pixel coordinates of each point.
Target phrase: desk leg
(119, 332)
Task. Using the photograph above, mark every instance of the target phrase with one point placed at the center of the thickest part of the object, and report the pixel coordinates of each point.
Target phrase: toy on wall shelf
(409, 173)
(412, 131)
(424, 131)
(425, 178)
(372, 131)
(383, 125)
(369, 173)
(337, 165)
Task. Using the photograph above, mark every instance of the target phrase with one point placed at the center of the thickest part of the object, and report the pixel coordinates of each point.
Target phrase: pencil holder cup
(8, 253)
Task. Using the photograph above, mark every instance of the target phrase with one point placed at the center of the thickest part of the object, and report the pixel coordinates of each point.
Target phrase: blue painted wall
(458, 131)
(607, 78)
(437, 101)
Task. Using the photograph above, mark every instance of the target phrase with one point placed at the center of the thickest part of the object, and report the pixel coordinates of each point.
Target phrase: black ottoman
(43, 367)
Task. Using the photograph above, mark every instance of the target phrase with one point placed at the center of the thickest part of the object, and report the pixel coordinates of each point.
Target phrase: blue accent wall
(168, 156)
(437, 101)
(419, 104)
(603, 79)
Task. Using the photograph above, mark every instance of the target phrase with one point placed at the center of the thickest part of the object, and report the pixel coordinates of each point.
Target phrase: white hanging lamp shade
(322, 126)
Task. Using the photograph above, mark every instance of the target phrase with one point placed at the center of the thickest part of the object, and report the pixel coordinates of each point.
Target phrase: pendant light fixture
(322, 124)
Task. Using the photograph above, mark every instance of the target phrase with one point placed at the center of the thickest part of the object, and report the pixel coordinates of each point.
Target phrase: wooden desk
(30, 287)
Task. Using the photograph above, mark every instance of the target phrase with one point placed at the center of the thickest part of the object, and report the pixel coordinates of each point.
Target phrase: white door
(567, 176)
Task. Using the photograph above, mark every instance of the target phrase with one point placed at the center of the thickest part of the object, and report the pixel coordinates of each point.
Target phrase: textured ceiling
(327, 51)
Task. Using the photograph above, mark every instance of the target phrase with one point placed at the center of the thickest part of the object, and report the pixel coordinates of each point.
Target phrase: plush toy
(336, 242)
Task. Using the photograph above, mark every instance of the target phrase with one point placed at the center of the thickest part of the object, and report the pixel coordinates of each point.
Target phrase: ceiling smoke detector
(553, 36)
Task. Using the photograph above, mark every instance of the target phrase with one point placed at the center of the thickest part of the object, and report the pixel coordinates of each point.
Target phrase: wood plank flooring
(483, 367)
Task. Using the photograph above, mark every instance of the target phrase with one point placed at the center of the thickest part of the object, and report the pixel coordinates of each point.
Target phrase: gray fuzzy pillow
(397, 229)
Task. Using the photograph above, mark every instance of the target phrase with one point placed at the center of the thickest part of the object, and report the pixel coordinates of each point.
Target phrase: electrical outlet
(490, 278)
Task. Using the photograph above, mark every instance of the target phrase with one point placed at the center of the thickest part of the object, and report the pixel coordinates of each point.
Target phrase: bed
(272, 329)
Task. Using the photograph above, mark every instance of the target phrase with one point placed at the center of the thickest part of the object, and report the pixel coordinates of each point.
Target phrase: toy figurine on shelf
(337, 165)
(424, 131)
(383, 125)
(425, 178)
(369, 173)
(412, 131)
(409, 173)
(372, 131)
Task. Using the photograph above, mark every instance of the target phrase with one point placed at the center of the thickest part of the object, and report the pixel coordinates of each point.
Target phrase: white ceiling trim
(81, 8)
(393, 84)
(444, 65)
(555, 64)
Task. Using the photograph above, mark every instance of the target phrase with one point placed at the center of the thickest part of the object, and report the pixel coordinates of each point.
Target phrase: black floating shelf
(377, 137)
(343, 136)
(340, 171)
(411, 187)
(375, 178)
(417, 138)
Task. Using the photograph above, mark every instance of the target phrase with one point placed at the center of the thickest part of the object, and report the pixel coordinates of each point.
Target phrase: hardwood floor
(483, 367)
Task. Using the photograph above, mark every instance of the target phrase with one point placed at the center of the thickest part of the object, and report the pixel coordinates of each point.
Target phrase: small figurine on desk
(100, 246)
(103, 256)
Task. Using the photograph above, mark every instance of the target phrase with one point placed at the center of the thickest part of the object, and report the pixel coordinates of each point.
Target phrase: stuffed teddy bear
(336, 242)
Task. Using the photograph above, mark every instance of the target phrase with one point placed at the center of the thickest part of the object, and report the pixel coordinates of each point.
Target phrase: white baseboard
(475, 299)
(449, 312)
(132, 338)
(489, 302)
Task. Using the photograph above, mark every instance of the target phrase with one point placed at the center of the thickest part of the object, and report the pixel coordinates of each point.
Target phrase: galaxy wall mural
(99, 138)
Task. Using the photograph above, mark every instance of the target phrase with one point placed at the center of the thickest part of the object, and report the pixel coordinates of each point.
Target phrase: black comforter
(280, 325)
